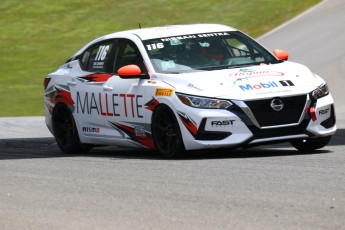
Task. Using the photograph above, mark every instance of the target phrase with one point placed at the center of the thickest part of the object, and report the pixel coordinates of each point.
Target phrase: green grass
(37, 36)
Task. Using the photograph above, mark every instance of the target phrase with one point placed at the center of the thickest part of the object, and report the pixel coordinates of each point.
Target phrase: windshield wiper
(239, 66)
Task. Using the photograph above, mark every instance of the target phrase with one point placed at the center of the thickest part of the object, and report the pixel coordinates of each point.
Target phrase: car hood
(255, 82)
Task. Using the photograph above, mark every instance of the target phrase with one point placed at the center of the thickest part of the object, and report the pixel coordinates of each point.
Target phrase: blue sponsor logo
(261, 85)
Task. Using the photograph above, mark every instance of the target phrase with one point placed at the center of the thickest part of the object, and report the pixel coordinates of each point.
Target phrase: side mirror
(282, 55)
(130, 72)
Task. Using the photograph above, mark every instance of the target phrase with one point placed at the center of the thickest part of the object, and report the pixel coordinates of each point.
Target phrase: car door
(88, 91)
(126, 97)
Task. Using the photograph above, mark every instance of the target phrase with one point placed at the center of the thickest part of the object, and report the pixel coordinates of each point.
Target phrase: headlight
(203, 102)
(321, 91)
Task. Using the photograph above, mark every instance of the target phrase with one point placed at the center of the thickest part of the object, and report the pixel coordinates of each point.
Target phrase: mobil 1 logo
(266, 85)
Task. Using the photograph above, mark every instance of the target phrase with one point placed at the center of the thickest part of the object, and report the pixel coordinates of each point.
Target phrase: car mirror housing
(131, 71)
(282, 55)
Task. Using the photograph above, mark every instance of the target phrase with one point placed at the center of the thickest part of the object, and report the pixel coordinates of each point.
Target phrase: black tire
(65, 131)
(166, 133)
(311, 144)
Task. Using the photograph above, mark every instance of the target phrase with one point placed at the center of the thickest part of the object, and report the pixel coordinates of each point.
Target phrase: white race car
(185, 87)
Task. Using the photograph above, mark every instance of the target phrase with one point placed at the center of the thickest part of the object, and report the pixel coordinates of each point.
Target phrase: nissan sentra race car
(185, 87)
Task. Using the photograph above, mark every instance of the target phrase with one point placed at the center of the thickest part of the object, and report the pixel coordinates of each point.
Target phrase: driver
(215, 51)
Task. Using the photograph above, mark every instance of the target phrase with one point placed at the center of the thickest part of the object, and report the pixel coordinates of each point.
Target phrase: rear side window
(98, 58)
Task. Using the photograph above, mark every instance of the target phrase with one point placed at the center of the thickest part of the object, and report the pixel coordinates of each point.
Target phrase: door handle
(107, 88)
(71, 83)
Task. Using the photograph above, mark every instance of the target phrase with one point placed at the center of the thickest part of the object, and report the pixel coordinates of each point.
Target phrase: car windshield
(202, 52)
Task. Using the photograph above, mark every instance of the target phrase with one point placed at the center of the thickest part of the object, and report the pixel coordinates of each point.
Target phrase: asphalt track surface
(271, 187)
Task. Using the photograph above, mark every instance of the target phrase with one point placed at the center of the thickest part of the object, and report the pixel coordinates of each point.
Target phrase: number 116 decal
(155, 46)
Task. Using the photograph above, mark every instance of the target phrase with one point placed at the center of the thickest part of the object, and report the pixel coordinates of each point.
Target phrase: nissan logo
(277, 105)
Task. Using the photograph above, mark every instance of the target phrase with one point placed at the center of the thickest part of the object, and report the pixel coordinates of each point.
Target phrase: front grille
(290, 114)
(280, 132)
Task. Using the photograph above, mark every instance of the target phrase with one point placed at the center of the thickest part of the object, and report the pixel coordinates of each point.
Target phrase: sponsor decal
(188, 123)
(176, 40)
(222, 123)
(137, 133)
(90, 130)
(212, 34)
(194, 36)
(261, 85)
(164, 92)
(246, 74)
(323, 111)
(286, 83)
(266, 85)
(219, 124)
(105, 104)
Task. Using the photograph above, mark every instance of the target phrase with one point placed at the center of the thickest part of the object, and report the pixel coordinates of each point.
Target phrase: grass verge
(39, 35)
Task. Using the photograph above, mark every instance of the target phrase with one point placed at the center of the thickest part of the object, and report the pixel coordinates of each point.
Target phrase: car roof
(174, 30)
(162, 31)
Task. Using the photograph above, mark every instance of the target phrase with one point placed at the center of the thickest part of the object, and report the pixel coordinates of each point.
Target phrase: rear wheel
(166, 132)
(311, 144)
(65, 131)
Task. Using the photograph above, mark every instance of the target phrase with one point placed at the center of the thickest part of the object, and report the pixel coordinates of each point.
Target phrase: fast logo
(266, 85)
(222, 123)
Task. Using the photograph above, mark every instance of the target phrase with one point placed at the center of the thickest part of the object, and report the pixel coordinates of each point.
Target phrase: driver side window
(128, 54)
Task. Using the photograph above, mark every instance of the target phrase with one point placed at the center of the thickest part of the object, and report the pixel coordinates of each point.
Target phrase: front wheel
(166, 132)
(65, 131)
(311, 144)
